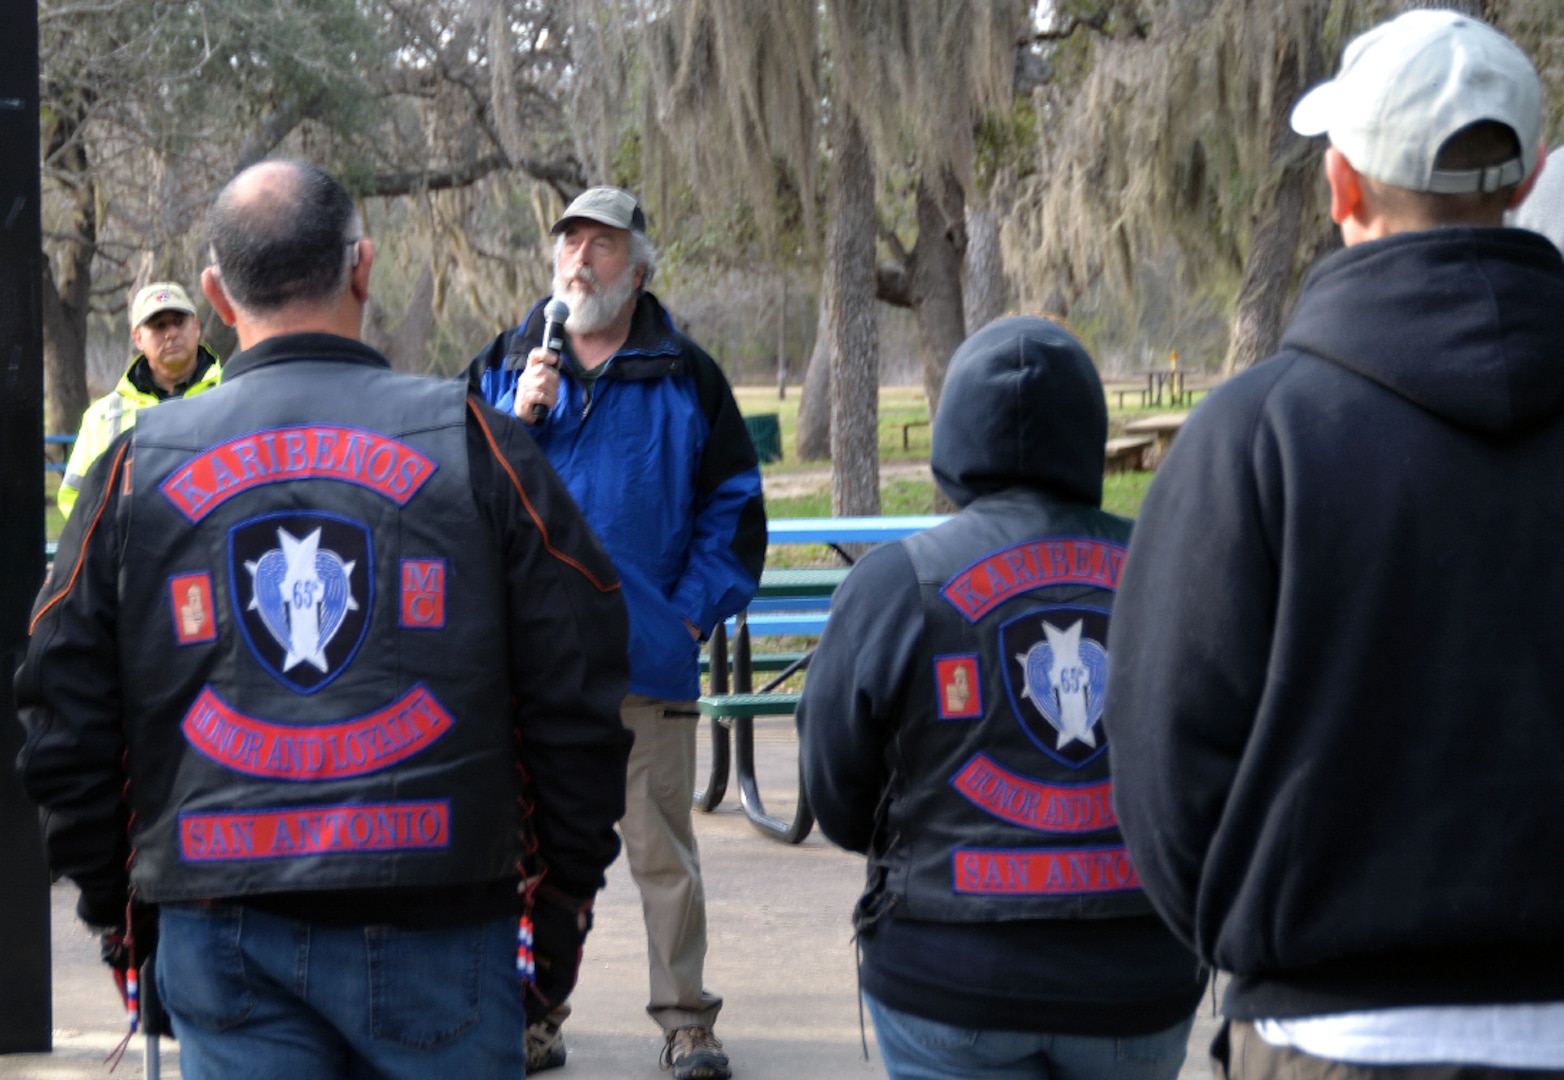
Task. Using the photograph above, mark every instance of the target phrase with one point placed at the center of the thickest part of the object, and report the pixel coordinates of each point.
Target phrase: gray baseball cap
(609, 205)
(1409, 84)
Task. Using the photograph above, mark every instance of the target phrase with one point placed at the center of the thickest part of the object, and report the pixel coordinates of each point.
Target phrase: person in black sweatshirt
(951, 728)
(1336, 705)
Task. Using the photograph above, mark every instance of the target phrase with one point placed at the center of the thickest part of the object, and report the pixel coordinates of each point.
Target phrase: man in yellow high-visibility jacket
(171, 362)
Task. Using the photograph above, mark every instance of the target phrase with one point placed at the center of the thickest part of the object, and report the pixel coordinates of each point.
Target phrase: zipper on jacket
(589, 386)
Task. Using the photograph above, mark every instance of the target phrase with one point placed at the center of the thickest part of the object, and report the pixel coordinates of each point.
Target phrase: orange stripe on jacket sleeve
(81, 555)
(494, 448)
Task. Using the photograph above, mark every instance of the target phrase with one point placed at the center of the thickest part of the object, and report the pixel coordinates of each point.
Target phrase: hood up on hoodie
(1022, 407)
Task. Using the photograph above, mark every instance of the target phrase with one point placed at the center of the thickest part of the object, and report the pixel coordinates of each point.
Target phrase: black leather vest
(312, 643)
(1012, 814)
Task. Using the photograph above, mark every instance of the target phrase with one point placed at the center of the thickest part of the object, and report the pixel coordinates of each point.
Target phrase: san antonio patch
(303, 584)
(1056, 670)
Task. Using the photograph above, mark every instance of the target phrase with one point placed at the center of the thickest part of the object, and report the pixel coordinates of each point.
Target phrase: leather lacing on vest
(877, 901)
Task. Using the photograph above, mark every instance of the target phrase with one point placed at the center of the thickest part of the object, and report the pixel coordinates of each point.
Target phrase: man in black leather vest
(331, 677)
(952, 729)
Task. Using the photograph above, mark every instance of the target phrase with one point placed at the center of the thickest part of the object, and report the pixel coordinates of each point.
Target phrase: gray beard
(591, 312)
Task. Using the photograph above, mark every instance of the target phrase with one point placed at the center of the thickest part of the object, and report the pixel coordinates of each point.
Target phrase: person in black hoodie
(951, 729)
(1337, 700)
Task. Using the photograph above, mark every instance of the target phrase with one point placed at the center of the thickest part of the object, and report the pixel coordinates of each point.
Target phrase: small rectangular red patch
(191, 597)
(956, 677)
(423, 594)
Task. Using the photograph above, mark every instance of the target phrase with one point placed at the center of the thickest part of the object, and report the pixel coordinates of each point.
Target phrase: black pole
(25, 1012)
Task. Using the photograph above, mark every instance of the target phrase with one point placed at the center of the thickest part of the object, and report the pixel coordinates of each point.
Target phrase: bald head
(283, 233)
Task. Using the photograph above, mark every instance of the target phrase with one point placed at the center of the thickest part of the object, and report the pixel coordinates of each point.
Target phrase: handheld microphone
(555, 312)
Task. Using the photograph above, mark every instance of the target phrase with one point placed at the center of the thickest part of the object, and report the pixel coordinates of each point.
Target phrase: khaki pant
(659, 840)
(1240, 1054)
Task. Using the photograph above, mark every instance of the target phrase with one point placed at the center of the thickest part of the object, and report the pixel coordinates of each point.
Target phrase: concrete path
(781, 956)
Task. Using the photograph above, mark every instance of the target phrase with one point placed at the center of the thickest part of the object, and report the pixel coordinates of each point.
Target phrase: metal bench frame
(792, 602)
(736, 712)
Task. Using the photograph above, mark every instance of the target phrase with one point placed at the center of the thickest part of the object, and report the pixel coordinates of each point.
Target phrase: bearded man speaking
(641, 425)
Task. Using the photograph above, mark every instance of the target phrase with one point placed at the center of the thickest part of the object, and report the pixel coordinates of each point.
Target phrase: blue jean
(255, 995)
(917, 1049)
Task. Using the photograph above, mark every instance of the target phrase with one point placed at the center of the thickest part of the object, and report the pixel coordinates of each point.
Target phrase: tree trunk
(1267, 281)
(1267, 284)
(814, 402)
(67, 301)
(853, 333)
(983, 288)
(936, 277)
(1473, 8)
(782, 343)
(405, 345)
(219, 336)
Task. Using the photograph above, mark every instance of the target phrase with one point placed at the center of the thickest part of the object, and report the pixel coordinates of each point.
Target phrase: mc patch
(423, 594)
(303, 584)
(1056, 670)
(956, 683)
(191, 597)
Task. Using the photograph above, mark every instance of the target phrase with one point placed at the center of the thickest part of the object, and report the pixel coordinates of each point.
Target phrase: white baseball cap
(1409, 84)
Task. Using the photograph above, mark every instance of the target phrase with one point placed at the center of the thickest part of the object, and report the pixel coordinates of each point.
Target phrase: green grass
(900, 496)
(53, 520)
(899, 405)
(1122, 492)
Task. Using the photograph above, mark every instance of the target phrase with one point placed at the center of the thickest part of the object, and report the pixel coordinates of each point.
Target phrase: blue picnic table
(848, 530)
(789, 602)
(780, 610)
(66, 441)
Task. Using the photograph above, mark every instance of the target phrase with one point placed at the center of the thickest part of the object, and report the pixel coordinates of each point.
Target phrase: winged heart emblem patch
(1056, 670)
(298, 580)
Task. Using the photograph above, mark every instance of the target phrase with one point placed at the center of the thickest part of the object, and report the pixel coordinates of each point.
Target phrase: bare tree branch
(564, 175)
(1097, 21)
(50, 15)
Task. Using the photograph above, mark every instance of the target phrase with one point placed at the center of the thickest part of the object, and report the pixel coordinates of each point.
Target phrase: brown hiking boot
(694, 1053)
